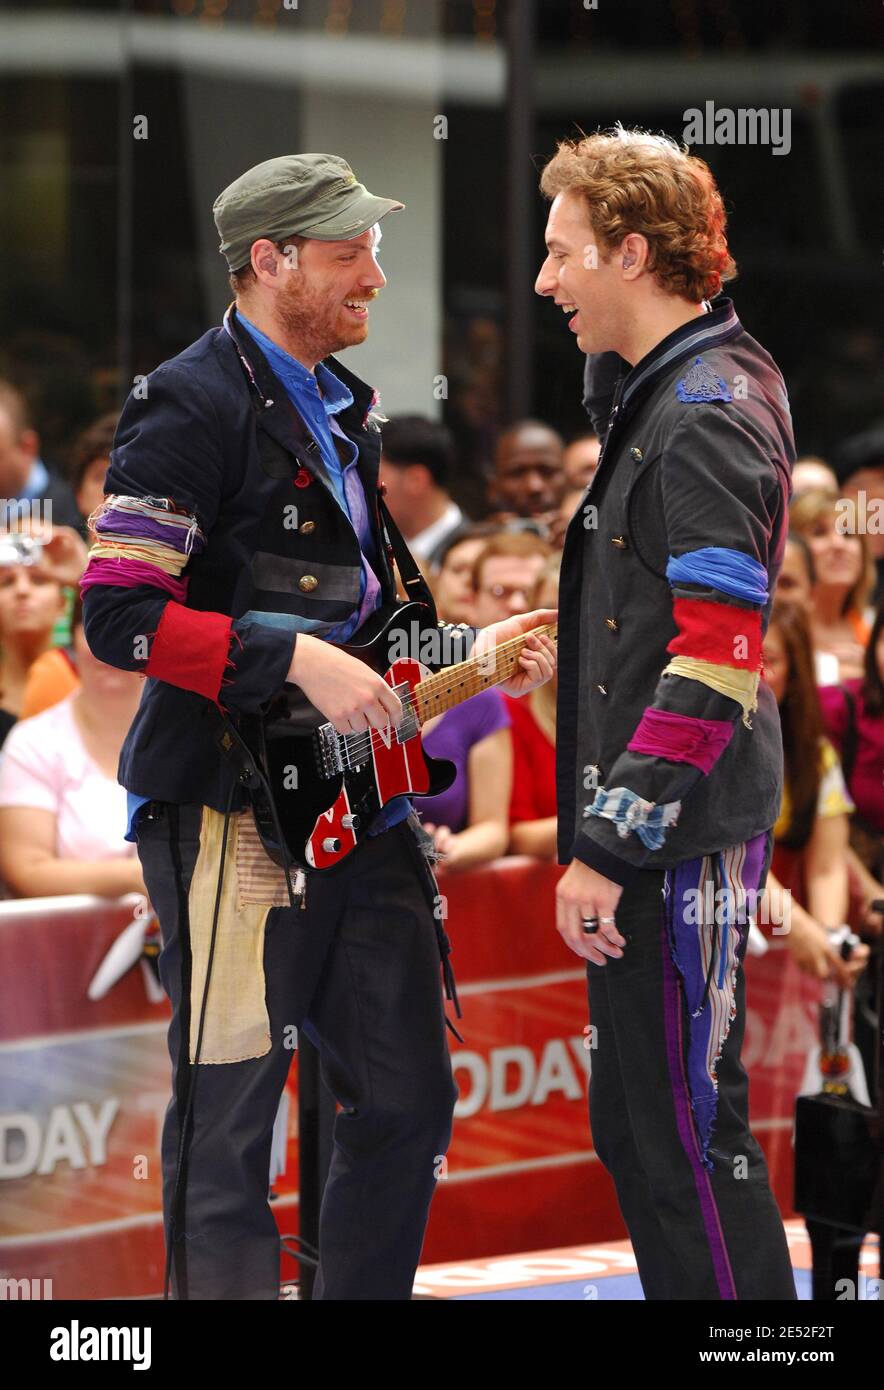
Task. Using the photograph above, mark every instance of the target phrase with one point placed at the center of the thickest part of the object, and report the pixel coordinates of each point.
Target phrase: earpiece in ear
(628, 261)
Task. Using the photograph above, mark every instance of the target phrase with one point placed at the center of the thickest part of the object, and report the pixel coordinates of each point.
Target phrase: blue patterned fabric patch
(701, 384)
(630, 812)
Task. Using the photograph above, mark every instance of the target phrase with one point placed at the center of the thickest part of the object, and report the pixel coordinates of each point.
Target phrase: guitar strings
(361, 744)
(358, 746)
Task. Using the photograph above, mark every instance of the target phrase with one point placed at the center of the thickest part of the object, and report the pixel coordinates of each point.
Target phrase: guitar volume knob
(350, 822)
(331, 844)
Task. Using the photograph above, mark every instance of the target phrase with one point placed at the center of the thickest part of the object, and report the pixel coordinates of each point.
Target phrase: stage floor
(585, 1272)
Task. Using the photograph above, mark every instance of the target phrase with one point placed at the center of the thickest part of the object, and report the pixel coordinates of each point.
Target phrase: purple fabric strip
(681, 738)
(128, 574)
(721, 1265)
(146, 528)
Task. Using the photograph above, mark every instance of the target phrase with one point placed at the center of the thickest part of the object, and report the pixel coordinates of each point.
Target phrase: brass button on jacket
(636, 454)
(307, 528)
(613, 624)
(602, 689)
(308, 583)
(620, 541)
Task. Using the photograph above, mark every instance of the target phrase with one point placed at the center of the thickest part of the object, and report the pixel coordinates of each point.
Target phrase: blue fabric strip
(731, 571)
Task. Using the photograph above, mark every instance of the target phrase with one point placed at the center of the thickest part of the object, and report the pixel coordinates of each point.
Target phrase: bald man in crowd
(580, 460)
(529, 477)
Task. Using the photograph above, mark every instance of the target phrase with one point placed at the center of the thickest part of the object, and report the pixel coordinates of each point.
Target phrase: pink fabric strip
(128, 574)
(681, 738)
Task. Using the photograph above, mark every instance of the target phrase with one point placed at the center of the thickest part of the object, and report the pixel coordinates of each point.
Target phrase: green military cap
(312, 195)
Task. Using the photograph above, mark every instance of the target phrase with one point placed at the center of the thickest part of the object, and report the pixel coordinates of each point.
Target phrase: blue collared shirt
(318, 399)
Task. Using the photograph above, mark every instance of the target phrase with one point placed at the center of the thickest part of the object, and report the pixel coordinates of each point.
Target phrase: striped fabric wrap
(681, 738)
(741, 686)
(718, 644)
(146, 530)
(631, 813)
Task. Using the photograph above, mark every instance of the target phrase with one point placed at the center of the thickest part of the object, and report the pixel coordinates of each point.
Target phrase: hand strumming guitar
(347, 691)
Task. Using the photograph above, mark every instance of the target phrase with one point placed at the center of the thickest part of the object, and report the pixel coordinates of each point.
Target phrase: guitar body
(329, 788)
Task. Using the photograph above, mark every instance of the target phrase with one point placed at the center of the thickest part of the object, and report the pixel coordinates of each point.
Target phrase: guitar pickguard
(396, 769)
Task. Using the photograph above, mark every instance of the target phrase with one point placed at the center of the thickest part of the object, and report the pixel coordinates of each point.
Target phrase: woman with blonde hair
(844, 576)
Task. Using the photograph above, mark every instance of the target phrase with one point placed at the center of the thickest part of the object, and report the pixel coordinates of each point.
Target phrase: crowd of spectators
(63, 715)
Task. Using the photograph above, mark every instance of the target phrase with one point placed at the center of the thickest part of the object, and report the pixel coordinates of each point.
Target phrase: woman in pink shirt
(62, 811)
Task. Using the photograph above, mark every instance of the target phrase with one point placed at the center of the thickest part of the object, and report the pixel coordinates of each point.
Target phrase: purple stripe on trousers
(672, 1023)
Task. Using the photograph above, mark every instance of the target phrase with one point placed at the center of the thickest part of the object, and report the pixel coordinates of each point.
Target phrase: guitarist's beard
(317, 324)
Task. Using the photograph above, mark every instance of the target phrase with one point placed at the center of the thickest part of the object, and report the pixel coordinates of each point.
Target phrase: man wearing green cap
(239, 541)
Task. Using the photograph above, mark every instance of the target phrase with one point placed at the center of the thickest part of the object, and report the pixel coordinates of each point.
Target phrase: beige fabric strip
(237, 1025)
(739, 685)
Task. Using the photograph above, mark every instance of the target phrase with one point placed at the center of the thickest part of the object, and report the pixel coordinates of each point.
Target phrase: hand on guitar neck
(354, 698)
(537, 660)
(346, 761)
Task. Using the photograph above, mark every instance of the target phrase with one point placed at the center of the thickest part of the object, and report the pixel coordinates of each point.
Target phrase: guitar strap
(413, 581)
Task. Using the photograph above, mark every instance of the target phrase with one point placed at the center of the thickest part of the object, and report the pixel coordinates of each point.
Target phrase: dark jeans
(358, 972)
(696, 1234)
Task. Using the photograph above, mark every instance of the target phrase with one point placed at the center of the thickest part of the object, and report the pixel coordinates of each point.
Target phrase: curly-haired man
(669, 754)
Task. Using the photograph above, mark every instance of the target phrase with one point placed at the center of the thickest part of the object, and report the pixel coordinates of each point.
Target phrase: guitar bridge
(328, 751)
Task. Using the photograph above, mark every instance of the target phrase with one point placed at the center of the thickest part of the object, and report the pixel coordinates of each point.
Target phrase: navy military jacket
(212, 435)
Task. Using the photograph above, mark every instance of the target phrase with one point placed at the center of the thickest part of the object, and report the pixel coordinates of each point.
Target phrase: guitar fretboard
(451, 686)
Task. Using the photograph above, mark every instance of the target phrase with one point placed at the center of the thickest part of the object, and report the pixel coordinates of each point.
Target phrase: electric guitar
(327, 788)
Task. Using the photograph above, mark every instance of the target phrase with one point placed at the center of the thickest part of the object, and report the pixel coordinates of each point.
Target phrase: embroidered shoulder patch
(701, 384)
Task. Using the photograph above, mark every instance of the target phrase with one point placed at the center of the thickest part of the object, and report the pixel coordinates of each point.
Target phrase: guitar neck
(454, 684)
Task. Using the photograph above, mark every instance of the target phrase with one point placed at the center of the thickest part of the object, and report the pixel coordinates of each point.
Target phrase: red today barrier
(84, 1085)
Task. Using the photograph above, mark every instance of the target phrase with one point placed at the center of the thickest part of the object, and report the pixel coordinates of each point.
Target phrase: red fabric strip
(190, 649)
(717, 632)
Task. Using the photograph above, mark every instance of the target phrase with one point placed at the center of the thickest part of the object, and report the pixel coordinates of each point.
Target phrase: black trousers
(357, 971)
(696, 1234)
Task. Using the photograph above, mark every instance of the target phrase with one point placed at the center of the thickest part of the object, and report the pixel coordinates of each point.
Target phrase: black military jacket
(697, 454)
